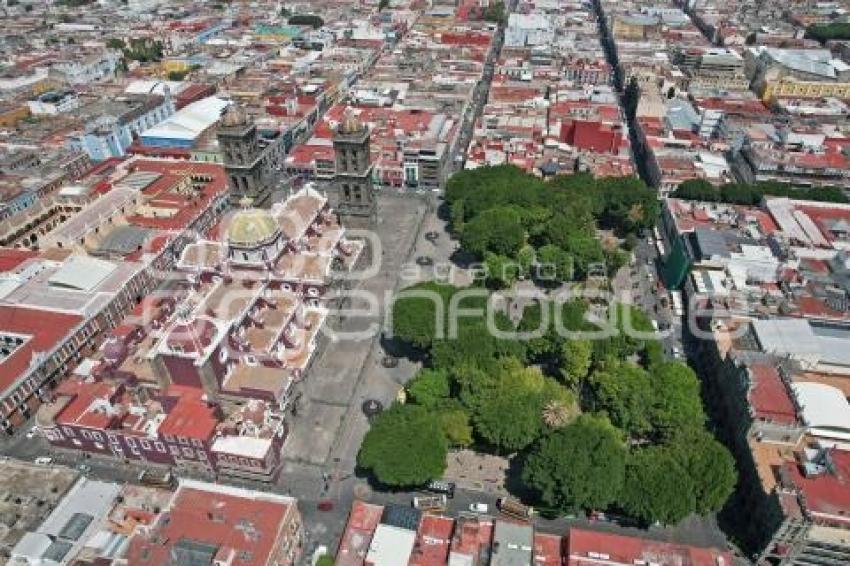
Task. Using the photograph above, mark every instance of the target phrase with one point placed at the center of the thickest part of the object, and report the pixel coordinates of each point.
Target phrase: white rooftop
(190, 121)
(825, 409)
(390, 546)
(245, 446)
(82, 273)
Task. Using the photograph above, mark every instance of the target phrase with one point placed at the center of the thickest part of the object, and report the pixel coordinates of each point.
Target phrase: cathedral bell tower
(357, 204)
(243, 155)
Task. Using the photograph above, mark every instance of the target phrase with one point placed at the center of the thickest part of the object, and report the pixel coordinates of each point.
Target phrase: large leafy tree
(456, 426)
(497, 230)
(677, 405)
(509, 413)
(709, 465)
(624, 392)
(657, 487)
(575, 357)
(430, 388)
(579, 466)
(554, 264)
(406, 446)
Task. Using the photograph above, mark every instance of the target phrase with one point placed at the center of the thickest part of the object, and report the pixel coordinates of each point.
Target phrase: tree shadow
(400, 349)
(463, 258)
(444, 212)
(514, 483)
(376, 485)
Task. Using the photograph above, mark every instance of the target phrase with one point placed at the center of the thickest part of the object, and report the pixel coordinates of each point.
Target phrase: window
(160, 447)
(68, 431)
(184, 440)
(86, 434)
(198, 443)
(145, 444)
(76, 442)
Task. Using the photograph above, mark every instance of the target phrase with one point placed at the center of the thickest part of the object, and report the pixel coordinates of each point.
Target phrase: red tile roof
(159, 193)
(362, 522)
(584, 544)
(827, 495)
(548, 550)
(769, 397)
(471, 535)
(248, 527)
(45, 329)
(10, 258)
(432, 541)
(81, 410)
(191, 417)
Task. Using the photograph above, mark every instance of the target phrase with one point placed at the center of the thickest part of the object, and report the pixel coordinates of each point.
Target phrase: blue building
(115, 124)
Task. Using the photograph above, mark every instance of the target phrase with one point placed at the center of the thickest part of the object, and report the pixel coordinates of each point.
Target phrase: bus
(678, 305)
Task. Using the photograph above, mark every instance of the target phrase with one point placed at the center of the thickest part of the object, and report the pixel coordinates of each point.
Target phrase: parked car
(44, 460)
(479, 507)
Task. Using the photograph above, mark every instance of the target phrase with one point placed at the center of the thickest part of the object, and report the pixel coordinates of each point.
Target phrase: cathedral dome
(252, 227)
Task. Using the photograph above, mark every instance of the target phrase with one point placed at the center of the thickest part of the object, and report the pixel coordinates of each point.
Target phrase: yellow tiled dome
(252, 227)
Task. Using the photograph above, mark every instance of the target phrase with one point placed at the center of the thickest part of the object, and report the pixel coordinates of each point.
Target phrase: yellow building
(636, 27)
(11, 115)
(175, 66)
(788, 87)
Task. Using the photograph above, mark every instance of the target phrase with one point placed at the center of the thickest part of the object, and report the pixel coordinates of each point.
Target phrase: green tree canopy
(753, 193)
(419, 312)
(827, 32)
(709, 464)
(456, 426)
(575, 357)
(677, 405)
(497, 230)
(657, 487)
(406, 447)
(430, 388)
(554, 264)
(579, 466)
(624, 393)
(509, 415)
